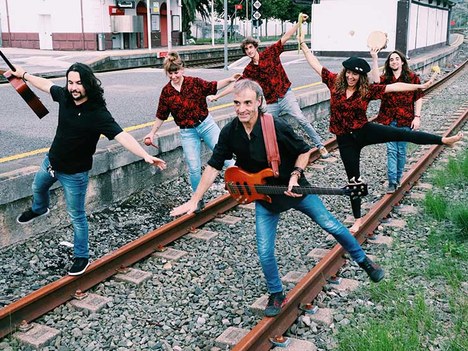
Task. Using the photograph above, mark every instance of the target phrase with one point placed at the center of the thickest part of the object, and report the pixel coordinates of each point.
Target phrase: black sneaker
(275, 302)
(79, 266)
(29, 215)
(373, 270)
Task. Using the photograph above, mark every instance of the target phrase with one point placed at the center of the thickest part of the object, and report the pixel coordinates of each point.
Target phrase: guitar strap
(271, 145)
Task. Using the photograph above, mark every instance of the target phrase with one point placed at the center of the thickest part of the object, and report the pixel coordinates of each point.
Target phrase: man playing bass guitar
(243, 138)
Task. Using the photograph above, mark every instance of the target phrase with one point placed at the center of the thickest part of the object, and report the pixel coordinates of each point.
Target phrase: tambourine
(377, 39)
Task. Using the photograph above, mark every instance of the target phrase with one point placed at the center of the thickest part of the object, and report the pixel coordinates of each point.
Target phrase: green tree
(189, 10)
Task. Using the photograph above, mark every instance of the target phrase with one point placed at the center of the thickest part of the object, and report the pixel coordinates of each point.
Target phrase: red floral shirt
(399, 106)
(189, 105)
(349, 114)
(269, 73)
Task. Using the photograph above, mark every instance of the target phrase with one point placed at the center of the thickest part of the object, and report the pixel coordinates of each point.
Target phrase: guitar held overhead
(26, 93)
(246, 187)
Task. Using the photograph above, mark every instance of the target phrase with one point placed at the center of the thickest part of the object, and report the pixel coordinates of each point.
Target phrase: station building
(341, 27)
(338, 27)
(90, 24)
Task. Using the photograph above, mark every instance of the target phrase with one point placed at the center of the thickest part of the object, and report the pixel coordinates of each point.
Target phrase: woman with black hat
(350, 93)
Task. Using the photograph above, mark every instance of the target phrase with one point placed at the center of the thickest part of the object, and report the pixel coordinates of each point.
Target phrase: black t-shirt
(251, 156)
(78, 131)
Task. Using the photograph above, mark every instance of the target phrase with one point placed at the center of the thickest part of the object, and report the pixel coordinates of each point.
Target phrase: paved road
(131, 95)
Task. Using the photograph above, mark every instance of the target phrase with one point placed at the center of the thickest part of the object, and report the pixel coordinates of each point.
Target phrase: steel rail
(58, 292)
(258, 339)
(54, 294)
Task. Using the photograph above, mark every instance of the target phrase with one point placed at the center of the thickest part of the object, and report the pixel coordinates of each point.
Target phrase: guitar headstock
(356, 189)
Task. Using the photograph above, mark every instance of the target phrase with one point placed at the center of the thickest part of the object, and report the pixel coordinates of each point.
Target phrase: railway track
(27, 309)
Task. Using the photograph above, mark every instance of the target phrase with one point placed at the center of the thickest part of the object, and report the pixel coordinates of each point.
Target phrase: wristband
(24, 75)
(416, 116)
(297, 171)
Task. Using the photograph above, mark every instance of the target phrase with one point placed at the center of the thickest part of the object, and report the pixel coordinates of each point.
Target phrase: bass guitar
(26, 93)
(246, 187)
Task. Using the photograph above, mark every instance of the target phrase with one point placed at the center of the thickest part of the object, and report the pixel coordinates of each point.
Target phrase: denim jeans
(266, 225)
(396, 158)
(190, 139)
(288, 105)
(74, 189)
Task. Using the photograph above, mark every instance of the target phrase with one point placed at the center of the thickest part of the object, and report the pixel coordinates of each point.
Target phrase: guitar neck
(279, 190)
(7, 61)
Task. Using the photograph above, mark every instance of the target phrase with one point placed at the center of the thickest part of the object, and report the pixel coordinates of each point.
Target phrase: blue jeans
(312, 206)
(396, 158)
(190, 139)
(288, 105)
(74, 189)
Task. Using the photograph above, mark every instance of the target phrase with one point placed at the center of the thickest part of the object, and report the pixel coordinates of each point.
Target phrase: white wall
(427, 26)
(344, 25)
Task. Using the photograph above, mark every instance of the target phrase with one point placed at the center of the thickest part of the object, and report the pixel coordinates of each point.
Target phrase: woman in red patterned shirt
(401, 110)
(350, 93)
(184, 97)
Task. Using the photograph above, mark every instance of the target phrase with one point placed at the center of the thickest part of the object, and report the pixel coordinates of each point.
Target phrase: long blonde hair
(173, 62)
(341, 84)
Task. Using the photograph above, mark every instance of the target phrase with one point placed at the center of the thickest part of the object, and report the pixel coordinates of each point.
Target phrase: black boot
(373, 270)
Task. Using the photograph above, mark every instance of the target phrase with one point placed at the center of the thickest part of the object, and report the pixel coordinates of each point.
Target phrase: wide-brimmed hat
(357, 65)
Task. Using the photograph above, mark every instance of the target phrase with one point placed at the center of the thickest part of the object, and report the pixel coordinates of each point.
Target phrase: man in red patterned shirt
(267, 70)
(401, 110)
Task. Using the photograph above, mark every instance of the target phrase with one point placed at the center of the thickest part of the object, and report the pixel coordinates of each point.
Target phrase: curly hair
(362, 86)
(247, 41)
(405, 71)
(173, 62)
(89, 81)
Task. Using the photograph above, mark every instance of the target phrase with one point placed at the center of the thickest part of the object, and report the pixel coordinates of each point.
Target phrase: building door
(142, 11)
(45, 32)
(163, 24)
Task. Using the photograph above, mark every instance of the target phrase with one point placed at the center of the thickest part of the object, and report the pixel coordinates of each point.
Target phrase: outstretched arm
(310, 57)
(38, 82)
(375, 72)
(129, 142)
(226, 81)
(225, 92)
(292, 30)
(398, 87)
(208, 177)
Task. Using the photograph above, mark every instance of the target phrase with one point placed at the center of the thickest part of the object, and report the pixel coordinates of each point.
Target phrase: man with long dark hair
(401, 110)
(82, 118)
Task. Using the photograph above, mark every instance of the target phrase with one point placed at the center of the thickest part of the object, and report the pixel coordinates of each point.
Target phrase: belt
(196, 124)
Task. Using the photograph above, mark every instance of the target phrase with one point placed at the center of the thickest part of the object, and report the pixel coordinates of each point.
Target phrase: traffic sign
(256, 15)
(257, 4)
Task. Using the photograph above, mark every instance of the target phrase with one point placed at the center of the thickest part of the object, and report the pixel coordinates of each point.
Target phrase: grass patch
(422, 304)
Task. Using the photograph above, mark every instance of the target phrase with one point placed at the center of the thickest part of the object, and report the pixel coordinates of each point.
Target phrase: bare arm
(226, 81)
(225, 92)
(301, 162)
(208, 177)
(38, 82)
(292, 30)
(375, 72)
(157, 124)
(416, 123)
(310, 57)
(129, 142)
(398, 87)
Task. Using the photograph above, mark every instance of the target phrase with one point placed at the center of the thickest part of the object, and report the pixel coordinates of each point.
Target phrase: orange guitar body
(27, 94)
(241, 184)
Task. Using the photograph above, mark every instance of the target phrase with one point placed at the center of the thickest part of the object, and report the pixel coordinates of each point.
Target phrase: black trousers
(350, 146)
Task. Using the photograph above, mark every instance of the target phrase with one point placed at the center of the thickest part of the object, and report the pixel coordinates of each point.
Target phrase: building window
(155, 23)
(176, 23)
